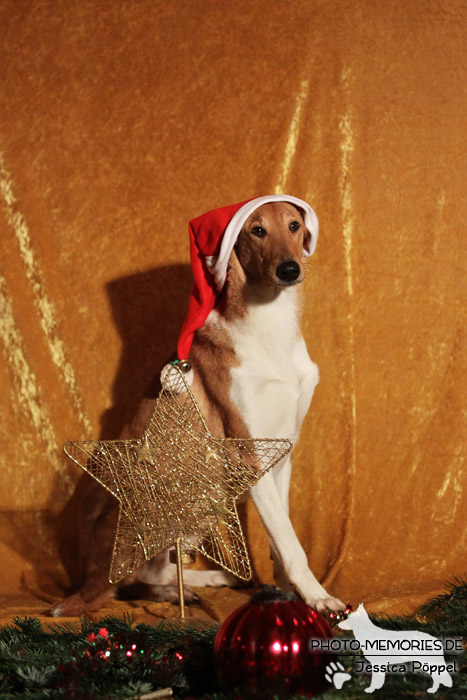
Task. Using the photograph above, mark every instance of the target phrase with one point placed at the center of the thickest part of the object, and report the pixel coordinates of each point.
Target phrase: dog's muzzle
(288, 271)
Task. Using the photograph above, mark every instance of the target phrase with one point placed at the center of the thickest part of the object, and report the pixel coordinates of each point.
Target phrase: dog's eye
(294, 226)
(258, 231)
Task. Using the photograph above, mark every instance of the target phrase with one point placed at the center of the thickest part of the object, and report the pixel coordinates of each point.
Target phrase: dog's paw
(57, 610)
(329, 603)
(224, 578)
(169, 594)
(218, 579)
(73, 606)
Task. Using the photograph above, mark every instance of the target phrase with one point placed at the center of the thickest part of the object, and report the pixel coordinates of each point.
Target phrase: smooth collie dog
(252, 377)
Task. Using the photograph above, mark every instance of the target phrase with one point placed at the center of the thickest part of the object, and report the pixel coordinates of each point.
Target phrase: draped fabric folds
(119, 123)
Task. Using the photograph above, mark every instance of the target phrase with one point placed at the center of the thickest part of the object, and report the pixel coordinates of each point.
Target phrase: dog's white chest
(274, 381)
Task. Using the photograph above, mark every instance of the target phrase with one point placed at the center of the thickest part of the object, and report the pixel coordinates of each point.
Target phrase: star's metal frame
(178, 483)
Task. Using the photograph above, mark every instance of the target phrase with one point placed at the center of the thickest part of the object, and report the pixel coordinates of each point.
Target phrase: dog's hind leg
(96, 550)
(160, 573)
(159, 593)
(92, 596)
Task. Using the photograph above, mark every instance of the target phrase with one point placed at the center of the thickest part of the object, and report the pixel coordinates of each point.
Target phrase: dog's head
(271, 245)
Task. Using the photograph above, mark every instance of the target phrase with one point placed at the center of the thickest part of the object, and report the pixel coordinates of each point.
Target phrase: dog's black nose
(288, 271)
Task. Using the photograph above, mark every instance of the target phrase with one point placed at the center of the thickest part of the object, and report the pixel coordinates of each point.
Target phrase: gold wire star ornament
(178, 483)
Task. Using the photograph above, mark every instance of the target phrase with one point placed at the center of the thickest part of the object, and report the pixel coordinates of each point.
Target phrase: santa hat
(212, 238)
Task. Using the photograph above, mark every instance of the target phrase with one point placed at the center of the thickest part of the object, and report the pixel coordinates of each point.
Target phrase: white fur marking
(274, 368)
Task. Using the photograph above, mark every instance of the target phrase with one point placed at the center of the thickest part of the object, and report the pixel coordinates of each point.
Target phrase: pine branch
(83, 663)
(455, 597)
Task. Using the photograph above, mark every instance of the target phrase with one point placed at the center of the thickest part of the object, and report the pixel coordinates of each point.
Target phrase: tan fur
(253, 264)
(260, 257)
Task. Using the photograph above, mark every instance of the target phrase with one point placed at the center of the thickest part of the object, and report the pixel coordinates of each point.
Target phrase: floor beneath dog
(215, 605)
(33, 599)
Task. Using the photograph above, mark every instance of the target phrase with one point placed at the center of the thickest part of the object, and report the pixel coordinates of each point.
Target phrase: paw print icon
(336, 674)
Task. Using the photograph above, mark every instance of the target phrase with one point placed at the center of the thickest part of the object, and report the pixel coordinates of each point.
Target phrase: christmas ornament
(178, 483)
(266, 646)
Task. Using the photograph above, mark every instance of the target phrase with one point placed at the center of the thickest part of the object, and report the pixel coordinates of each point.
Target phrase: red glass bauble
(271, 645)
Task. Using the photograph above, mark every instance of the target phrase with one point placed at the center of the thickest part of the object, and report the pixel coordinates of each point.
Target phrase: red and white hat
(212, 238)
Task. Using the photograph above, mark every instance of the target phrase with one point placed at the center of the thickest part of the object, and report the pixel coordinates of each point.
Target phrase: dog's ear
(307, 242)
(235, 266)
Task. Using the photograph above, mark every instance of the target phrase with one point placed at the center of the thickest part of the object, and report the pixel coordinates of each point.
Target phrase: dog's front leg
(281, 473)
(284, 541)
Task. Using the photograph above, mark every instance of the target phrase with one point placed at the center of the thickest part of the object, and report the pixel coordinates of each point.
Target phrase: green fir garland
(113, 659)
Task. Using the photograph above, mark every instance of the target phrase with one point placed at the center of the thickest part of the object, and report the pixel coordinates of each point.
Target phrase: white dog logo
(386, 650)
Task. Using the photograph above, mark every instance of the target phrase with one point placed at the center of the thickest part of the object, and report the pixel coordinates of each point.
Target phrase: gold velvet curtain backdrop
(119, 122)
